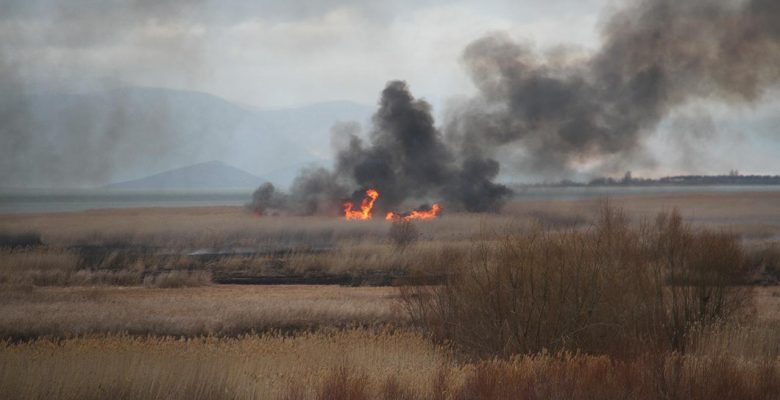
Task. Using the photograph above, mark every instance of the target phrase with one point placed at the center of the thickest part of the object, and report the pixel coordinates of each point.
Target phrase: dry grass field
(223, 310)
(193, 246)
(545, 300)
(359, 364)
(754, 214)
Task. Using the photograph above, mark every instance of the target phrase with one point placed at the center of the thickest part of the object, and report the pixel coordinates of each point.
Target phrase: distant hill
(207, 175)
(88, 139)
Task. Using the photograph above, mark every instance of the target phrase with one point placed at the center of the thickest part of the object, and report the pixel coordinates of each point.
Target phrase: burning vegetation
(431, 213)
(405, 159)
(365, 207)
(552, 114)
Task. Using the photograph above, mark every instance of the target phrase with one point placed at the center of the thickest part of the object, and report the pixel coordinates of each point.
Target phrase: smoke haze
(96, 92)
(563, 111)
(556, 112)
(406, 159)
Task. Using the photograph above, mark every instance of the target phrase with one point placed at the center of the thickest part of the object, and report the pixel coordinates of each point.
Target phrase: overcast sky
(276, 53)
(284, 53)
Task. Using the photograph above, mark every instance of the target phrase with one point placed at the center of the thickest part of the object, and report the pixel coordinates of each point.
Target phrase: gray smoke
(555, 113)
(406, 159)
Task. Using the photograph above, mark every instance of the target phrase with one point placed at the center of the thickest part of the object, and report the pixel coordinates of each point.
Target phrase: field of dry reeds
(654, 297)
(361, 364)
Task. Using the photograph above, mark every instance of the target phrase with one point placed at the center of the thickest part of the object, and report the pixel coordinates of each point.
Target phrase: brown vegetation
(224, 310)
(192, 246)
(357, 364)
(605, 288)
(548, 300)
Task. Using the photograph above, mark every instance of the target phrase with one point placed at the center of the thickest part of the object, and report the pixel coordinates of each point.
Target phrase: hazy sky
(286, 53)
(276, 53)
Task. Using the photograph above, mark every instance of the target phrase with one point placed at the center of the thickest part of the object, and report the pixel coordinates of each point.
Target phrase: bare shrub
(403, 233)
(605, 288)
(703, 272)
(766, 260)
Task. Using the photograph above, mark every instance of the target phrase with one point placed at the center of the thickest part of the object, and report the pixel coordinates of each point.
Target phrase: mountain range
(207, 175)
(96, 138)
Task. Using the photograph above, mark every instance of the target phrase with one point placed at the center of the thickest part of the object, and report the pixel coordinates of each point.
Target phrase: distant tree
(627, 177)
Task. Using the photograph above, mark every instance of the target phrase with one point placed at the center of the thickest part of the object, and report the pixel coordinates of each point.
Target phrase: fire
(365, 206)
(416, 214)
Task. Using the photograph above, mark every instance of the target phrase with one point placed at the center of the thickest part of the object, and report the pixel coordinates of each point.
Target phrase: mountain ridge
(205, 175)
(89, 139)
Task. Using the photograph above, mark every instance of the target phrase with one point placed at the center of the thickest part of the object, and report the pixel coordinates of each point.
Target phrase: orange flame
(365, 206)
(416, 214)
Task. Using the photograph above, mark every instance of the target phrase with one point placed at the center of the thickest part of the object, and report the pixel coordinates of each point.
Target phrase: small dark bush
(403, 233)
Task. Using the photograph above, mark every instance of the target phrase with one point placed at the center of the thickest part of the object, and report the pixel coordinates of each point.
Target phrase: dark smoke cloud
(406, 159)
(560, 112)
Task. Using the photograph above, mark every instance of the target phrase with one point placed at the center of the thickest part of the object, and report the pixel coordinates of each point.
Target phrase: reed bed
(249, 367)
(546, 300)
(356, 365)
(228, 310)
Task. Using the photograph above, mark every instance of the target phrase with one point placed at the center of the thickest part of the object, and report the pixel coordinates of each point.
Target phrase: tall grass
(224, 310)
(218, 228)
(250, 367)
(357, 365)
(52, 266)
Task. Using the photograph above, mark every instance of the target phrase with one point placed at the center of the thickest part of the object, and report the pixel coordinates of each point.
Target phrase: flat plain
(127, 303)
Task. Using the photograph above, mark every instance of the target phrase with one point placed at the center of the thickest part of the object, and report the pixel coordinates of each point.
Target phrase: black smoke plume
(550, 114)
(405, 158)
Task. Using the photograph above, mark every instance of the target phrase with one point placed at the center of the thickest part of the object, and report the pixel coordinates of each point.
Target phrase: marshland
(397, 200)
(625, 297)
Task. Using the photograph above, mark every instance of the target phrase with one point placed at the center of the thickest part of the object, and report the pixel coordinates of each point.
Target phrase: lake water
(38, 201)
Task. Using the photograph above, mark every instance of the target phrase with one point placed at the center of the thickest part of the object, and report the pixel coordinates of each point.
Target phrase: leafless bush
(605, 288)
(766, 260)
(703, 272)
(403, 233)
